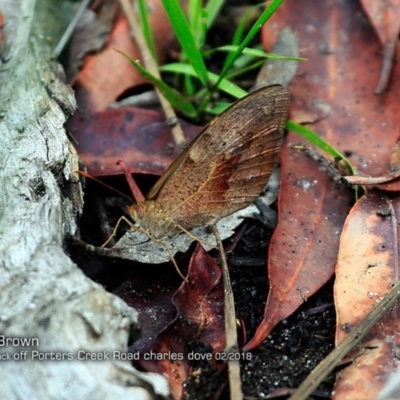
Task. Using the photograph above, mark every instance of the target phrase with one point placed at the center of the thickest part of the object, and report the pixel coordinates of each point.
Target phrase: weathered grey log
(43, 295)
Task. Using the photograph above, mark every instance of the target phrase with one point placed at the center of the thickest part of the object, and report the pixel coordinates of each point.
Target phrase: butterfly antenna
(86, 175)
(136, 192)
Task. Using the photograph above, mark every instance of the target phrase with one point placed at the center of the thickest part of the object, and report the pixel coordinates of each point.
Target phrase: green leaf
(186, 38)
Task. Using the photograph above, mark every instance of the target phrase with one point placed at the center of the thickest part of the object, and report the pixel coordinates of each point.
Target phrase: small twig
(151, 66)
(70, 29)
(319, 373)
(235, 384)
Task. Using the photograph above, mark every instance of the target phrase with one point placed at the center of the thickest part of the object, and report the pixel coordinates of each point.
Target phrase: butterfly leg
(171, 257)
(151, 237)
(203, 242)
(167, 249)
(116, 228)
(134, 227)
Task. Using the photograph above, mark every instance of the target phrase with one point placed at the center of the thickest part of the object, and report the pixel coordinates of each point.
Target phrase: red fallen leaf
(149, 291)
(89, 36)
(387, 183)
(107, 75)
(199, 305)
(140, 137)
(392, 186)
(385, 17)
(333, 94)
(368, 266)
(304, 245)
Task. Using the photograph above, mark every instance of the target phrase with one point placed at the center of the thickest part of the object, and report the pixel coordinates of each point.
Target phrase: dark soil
(288, 354)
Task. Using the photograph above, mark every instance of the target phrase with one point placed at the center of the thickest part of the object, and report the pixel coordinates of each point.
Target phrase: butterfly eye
(133, 212)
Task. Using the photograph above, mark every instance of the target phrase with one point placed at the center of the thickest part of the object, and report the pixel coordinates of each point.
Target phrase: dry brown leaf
(368, 266)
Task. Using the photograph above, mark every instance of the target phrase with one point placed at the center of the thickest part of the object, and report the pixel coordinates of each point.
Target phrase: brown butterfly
(222, 170)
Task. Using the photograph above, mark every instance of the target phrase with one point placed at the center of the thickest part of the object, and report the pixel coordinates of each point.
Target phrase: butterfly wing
(227, 165)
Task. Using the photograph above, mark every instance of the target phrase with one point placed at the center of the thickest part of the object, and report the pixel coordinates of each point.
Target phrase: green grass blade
(253, 31)
(189, 85)
(244, 70)
(238, 35)
(176, 100)
(218, 108)
(146, 28)
(212, 9)
(194, 13)
(195, 16)
(255, 53)
(186, 38)
(316, 140)
(225, 85)
(204, 28)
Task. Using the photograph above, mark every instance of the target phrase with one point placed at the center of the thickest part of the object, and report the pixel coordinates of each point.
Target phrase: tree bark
(43, 294)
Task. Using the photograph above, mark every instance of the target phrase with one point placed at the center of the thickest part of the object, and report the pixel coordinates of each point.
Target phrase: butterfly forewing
(225, 168)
